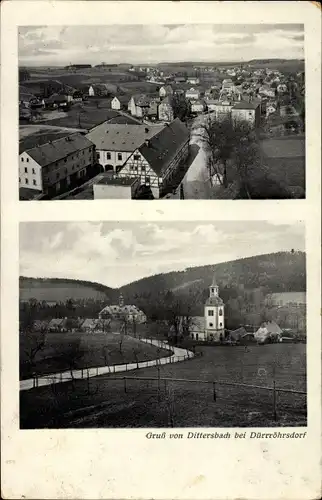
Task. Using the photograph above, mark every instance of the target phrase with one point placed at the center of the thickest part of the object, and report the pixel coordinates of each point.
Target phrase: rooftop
(121, 137)
(51, 152)
(164, 146)
(246, 105)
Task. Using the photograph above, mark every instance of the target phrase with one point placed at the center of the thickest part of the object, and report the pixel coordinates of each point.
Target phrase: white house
(270, 109)
(91, 91)
(281, 88)
(165, 110)
(193, 80)
(115, 142)
(198, 106)
(131, 313)
(139, 105)
(192, 94)
(247, 111)
(268, 331)
(115, 103)
(165, 91)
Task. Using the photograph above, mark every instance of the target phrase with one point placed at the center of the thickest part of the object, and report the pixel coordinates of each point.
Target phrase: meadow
(85, 350)
(107, 402)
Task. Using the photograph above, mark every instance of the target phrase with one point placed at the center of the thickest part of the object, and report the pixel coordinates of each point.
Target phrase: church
(210, 326)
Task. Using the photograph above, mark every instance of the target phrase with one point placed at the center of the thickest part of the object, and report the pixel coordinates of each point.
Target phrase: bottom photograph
(162, 324)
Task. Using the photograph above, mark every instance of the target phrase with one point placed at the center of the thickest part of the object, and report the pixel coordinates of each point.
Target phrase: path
(178, 354)
(196, 183)
(25, 130)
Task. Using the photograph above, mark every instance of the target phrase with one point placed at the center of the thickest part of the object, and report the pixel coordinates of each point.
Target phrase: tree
(181, 107)
(72, 355)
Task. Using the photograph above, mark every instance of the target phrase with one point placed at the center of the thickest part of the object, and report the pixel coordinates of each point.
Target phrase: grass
(40, 137)
(84, 117)
(103, 401)
(53, 358)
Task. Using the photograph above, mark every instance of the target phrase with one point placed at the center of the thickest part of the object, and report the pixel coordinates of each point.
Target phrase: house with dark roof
(56, 165)
(157, 159)
(139, 105)
(116, 142)
(247, 111)
(165, 91)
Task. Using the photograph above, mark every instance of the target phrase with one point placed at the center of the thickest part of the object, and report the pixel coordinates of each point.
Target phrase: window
(27, 159)
(65, 160)
(136, 157)
(26, 181)
(220, 324)
(33, 171)
(119, 156)
(34, 182)
(98, 156)
(220, 312)
(19, 179)
(147, 179)
(143, 168)
(210, 312)
(26, 170)
(108, 156)
(211, 324)
(57, 175)
(212, 290)
(22, 159)
(197, 336)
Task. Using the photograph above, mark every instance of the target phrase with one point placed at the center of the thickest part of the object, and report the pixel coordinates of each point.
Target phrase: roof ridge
(55, 140)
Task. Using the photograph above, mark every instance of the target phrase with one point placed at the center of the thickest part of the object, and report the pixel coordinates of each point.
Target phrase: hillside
(279, 272)
(60, 290)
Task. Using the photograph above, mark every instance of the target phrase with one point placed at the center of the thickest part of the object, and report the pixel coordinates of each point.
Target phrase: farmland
(104, 403)
(95, 349)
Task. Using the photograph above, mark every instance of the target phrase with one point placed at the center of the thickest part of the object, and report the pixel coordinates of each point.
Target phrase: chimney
(147, 142)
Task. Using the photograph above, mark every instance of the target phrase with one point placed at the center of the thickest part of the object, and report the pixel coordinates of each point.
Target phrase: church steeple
(214, 288)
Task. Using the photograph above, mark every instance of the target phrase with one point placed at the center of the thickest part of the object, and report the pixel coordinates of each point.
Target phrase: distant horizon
(154, 43)
(157, 63)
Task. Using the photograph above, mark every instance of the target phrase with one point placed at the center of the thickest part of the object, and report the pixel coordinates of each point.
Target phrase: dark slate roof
(164, 146)
(246, 105)
(56, 150)
(214, 301)
(141, 100)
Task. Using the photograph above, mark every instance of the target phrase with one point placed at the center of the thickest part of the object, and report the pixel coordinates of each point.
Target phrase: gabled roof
(118, 137)
(164, 146)
(197, 324)
(141, 100)
(246, 105)
(56, 150)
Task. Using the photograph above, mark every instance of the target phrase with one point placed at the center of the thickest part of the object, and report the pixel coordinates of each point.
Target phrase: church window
(220, 312)
(220, 324)
(212, 290)
(210, 312)
(211, 324)
(197, 336)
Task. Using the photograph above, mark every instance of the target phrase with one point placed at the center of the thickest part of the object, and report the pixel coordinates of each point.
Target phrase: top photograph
(182, 111)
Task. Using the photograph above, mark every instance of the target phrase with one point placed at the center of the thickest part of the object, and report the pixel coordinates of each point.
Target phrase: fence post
(97, 371)
(124, 379)
(214, 390)
(158, 383)
(82, 373)
(274, 400)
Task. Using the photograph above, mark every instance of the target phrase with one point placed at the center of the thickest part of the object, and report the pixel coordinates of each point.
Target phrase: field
(38, 136)
(54, 357)
(107, 402)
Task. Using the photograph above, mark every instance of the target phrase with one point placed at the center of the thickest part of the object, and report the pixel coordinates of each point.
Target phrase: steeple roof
(214, 282)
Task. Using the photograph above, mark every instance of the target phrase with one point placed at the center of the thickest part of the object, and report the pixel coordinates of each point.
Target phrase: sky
(135, 44)
(117, 253)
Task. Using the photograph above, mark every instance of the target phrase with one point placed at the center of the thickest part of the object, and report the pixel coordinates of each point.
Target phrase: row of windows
(211, 324)
(33, 171)
(211, 312)
(65, 159)
(34, 182)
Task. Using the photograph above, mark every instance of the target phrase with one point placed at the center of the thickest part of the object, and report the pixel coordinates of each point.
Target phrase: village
(102, 141)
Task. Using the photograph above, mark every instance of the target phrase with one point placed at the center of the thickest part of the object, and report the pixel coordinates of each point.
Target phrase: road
(196, 183)
(178, 354)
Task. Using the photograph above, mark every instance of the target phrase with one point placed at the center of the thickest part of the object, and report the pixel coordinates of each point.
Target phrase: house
(130, 313)
(270, 108)
(27, 100)
(220, 109)
(57, 325)
(115, 142)
(192, 94)
(227, 83)
(119, 102)
(198, 106)
(281, 88)
(165, 110)
(193, 80)
(139, 105)
(179, 79)
(266, 91)
(165, 91)
(77, 96)
(247, 111)
(285, 298)
(57, 101)
(157, 160)
(117, 188)
(268, 332)
(56, 165)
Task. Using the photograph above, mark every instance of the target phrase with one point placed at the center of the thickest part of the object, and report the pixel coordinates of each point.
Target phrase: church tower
(121, 300)
(214, 314)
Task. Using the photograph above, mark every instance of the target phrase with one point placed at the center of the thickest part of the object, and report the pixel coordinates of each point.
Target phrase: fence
(188, 402)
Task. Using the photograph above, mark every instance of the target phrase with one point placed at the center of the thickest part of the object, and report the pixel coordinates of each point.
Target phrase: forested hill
(61, 289)
(277, 272)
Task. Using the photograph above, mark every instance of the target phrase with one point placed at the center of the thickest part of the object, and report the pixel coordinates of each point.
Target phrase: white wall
(31, 179)
(110, 192)
(114, 161)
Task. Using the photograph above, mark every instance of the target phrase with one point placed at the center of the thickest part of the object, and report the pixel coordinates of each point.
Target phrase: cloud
(117, 253)
(155, 43)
